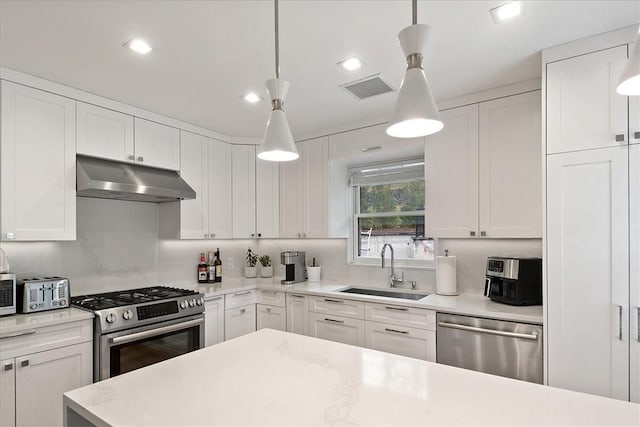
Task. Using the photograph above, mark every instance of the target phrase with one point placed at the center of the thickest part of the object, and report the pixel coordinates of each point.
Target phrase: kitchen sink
(383, 293)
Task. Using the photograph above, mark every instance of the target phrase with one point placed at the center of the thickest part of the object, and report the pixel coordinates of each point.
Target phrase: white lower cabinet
(336, 328)
(213, 321)
(298, 314)
(272, 317)
(411, 342)
(7, 392)
(239, 321)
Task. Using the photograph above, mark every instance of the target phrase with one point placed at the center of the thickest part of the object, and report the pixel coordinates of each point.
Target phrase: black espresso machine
(514, 281)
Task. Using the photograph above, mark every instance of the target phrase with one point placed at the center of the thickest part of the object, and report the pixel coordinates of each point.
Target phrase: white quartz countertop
(277, 378)
(20, 322)
(466, 304)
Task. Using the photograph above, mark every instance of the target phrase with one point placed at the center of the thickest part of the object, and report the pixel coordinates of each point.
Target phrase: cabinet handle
(396, 308)
(396, 331)
(269, 309)
(10, 235)
(472, 233)
(131, 157)
(140, 159)
(620, 137)
(24, 363)
(336, 301)
(215, 299)
(243, 310)
(8, 367)
(636, 135)
(532, 336)
(483, 233)
(296, 296)
(270, 292)
(333, 320)
(241, 293)
(620, 322)
(17, 334)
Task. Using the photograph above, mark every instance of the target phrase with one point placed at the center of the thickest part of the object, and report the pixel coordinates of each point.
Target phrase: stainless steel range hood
(107, 179)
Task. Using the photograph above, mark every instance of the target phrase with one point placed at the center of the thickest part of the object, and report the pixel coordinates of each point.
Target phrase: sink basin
(383, 293)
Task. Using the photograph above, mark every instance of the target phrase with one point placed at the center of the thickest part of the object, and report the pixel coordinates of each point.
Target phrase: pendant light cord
(277, 41)
(414, 11)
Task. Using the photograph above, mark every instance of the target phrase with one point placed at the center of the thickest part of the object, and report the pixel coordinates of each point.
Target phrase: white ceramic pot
(266, 271)
(313, 273)
(250, 272)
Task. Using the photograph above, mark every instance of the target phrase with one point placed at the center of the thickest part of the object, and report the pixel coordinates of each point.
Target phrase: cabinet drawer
(336, 328)
(411, 342)
(404, 316)
(337, 307)
(238, 299)
(45, 338)
(239, 321)
(276, 298)
(271, 317)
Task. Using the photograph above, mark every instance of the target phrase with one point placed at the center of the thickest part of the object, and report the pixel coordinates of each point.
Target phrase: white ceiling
(208, 53)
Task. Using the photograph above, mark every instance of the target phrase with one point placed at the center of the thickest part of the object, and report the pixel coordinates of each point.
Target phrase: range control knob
(127, 315)
(183, 304)
(199, 301)
(192, 303)
(33, 306)
(111, 317)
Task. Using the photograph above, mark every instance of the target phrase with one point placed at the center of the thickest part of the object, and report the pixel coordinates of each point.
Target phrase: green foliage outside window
(397, 197)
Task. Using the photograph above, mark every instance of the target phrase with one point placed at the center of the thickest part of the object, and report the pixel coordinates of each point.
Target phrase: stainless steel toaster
(42, 293)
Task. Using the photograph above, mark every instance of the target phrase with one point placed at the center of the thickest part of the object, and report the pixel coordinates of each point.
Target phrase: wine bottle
(218, 267)
(203, 271)
(211, 277)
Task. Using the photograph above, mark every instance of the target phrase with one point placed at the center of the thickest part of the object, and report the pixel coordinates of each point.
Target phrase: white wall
(117, 248)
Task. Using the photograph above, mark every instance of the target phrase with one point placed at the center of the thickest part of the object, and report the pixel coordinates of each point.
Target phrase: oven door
(125, 351)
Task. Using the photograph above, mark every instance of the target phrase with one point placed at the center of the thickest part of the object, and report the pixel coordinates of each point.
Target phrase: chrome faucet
(393, 280)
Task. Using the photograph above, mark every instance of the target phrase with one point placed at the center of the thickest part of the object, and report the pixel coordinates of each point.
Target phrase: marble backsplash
(117, 247)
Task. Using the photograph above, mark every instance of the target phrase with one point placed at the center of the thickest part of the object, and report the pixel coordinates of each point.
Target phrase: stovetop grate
(129, 297)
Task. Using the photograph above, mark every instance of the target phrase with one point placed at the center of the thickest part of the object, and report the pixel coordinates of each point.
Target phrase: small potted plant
(250, 269)
(266, 270)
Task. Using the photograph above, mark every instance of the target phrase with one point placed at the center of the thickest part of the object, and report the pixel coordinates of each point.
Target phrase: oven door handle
(154, 332)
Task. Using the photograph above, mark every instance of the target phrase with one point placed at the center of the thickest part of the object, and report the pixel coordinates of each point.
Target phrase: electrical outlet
(230, 264)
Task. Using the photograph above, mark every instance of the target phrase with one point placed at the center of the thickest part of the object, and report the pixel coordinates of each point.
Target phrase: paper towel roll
(446, 275)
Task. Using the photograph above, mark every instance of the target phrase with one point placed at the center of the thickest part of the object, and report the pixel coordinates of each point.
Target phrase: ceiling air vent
(368, 87)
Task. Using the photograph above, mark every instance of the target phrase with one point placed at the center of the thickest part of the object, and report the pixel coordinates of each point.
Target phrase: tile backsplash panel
(117, 247)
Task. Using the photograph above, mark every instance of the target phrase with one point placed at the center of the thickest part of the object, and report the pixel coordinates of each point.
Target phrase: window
(388, 207)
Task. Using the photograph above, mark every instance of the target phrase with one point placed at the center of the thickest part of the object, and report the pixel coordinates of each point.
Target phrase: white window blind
(387, 172)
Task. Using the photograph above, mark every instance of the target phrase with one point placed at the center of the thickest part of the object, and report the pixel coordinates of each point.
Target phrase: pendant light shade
(630, 81)
(415, 113)
(278, 144)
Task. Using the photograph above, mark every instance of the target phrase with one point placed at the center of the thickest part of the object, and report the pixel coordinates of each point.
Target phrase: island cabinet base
(73, 419)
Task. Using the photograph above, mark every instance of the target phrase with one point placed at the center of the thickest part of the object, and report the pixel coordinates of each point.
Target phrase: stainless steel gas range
(139, 327)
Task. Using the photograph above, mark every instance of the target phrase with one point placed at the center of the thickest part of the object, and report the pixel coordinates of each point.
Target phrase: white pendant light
(630, 81)
(278, 144)
(415, 113)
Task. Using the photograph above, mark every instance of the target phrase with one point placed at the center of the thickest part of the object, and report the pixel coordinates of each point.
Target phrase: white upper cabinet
(583, 109)
(451, 174)
(510, 157)
(194, 169)
(157, 145)
(634, 290)
(220, 196)
(37, 164)
(291, 198)
(104, 133)
(267, 198)
(315, 160)
(244, 191)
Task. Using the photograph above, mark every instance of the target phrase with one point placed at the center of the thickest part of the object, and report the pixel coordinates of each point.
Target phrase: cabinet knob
(243, 310)
(269, 309)
(472, 233)
(636, 135)
(620, 137)
(141, 159)
(213, 235)
(24, 363)
(304, 235)
(10, 235)
(131, 157)
(259, 234)
(253, 235)
(483, 233)
(206, 236)
(299, 235)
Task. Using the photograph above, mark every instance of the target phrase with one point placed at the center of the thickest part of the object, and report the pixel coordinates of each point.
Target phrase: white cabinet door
(42, 378)
(298, 314)
(451, 175)
(291, 198)
(157, 145)
(239, 321)
(220, 199)
(213, 321)
(410, 342)
(37, 165)
(634, 291)
(272, 317)
(194, 169)
(588, 271)
(510, 158)
(315, 161)
(335, 328)
(104, 133)
(267, 199)
(8, 392)
(361, 145)
(583, 109)
(244, 191)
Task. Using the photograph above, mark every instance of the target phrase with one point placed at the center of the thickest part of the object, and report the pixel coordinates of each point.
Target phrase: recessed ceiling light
(506, 11)
(138, 45)
(351, 64)
(251, 97)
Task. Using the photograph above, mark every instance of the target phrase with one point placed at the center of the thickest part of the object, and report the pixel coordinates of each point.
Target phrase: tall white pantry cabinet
(592, 219)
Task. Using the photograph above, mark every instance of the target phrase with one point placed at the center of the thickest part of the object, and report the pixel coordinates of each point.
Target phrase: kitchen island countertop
(277, 378)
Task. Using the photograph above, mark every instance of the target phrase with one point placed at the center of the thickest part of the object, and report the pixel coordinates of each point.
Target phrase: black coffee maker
(514, 281)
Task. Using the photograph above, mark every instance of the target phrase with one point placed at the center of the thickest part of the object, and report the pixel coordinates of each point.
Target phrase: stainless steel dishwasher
(496, 347)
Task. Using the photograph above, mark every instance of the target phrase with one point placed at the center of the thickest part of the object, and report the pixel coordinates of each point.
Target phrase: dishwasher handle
(532, 336)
